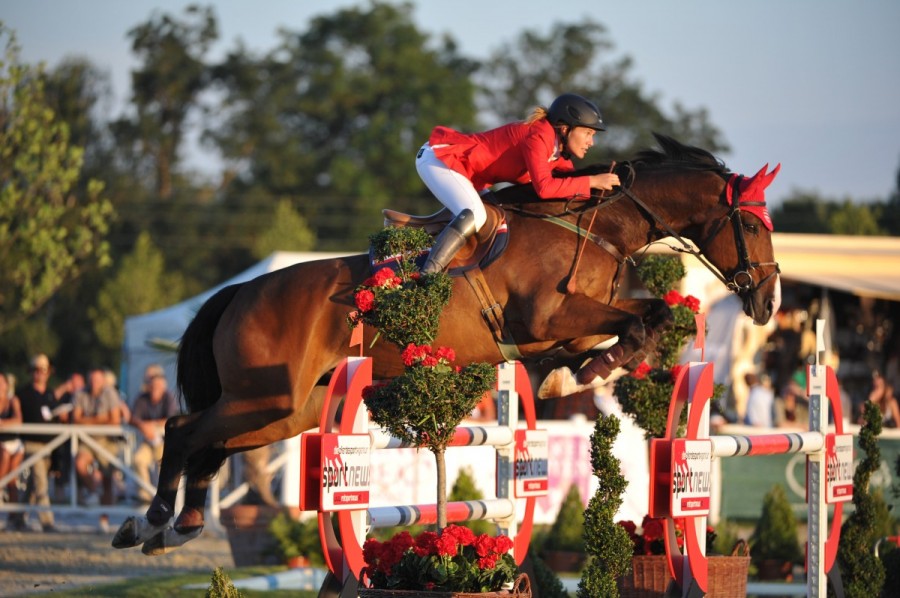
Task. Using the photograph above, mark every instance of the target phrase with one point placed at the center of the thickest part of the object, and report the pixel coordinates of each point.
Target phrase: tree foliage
(140, 284)
(49, 233)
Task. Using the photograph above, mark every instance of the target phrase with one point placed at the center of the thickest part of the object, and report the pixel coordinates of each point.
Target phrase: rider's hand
(604, 181)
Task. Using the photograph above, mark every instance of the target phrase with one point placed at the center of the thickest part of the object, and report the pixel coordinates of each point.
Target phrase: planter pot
(774, 570)
(521, 589)
(297, 562)
(650, 577)
(564, 560)
(247, 527)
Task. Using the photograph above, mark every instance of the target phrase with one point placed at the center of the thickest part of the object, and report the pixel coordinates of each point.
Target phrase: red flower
(385, 278)
(365, 300)
(653, 529)
(446, 545)
(641, 371)
(413, 354)
(463, 535)
(676, 369)
(673, 297)
(488, 562)
(426, 544)
(629, 526)
(445, 353)
(692, 303)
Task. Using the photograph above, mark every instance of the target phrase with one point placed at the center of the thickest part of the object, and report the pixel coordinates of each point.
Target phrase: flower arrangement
(646, 392)
(423, 406)
(401, 302)
(651, 537)
(455, 560)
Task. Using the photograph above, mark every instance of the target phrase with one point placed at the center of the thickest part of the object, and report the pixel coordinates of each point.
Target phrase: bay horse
(250, 359)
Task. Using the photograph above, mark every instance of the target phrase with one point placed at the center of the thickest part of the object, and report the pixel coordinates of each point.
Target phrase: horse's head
(739, 245)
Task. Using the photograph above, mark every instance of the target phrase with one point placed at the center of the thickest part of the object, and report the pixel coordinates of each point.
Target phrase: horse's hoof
(558, 383)
(168, 540)
(135, 531)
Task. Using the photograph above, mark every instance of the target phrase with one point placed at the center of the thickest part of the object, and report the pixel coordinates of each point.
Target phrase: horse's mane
(675, 153)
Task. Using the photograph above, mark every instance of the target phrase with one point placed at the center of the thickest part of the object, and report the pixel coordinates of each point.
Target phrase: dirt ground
(33, 562)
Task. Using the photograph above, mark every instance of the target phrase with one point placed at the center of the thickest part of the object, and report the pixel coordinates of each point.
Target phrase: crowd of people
(94, 401)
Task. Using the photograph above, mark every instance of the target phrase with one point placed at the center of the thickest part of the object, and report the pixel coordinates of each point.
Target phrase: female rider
(457, 167)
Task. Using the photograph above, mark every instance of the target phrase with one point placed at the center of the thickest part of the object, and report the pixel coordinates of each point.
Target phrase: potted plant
(423, 406)
(296, 540)
(564, 547)
(774, 545)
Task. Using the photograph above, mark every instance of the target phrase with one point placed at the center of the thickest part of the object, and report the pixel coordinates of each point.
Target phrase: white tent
(153, 337)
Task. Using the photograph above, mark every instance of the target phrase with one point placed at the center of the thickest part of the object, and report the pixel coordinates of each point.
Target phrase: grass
(173, 586)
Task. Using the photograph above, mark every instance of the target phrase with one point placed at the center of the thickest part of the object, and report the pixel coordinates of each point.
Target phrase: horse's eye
(752, 229)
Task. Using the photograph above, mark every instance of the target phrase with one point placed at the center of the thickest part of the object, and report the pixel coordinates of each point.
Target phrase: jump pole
(345, 444)
(681, 469)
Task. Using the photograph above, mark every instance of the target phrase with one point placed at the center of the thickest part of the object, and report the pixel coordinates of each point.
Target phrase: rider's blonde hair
(537, 114)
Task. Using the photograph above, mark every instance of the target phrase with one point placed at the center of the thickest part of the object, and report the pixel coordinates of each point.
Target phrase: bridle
(741, 280)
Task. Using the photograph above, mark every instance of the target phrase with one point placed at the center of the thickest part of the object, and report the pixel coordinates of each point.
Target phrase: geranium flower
(641, 371)
(365, 300)
(673, 297)
(692, 303)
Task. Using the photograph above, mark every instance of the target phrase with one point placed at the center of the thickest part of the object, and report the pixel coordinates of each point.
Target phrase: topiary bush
(607, 543)
(862, 572)
(775, 535)
(567, 529)
(221, 586)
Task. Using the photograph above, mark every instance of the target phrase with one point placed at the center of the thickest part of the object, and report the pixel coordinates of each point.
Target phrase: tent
(153, 337)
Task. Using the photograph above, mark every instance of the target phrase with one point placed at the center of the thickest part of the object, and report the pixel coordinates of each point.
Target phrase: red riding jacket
(514, 153)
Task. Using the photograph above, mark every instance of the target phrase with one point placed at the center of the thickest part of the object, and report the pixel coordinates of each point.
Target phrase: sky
(812, 84)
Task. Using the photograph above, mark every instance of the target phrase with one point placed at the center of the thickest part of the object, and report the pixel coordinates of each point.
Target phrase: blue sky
(813, 84)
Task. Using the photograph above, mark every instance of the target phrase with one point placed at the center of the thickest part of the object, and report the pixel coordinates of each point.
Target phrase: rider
(457, 167)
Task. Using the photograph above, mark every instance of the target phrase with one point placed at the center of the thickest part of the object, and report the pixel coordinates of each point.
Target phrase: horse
(249, 361)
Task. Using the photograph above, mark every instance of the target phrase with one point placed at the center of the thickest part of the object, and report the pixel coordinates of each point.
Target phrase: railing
(121, 460)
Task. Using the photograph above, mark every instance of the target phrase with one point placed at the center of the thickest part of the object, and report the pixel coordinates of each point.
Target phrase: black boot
(451, 239)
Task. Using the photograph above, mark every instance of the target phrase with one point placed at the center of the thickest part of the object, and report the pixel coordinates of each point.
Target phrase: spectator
(61, 458)
(37, 403)
(97, 405)
(882, 394)
(12, 450)
(793, 405)
(760, 402)
(151, 410)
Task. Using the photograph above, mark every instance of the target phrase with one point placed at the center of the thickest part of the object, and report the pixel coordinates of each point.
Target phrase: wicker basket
(650, 575)
(521, 589)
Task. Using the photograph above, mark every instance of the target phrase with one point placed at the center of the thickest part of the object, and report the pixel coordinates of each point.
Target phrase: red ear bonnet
(751, 192)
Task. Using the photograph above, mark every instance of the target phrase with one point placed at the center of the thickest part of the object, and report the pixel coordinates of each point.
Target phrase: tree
(141, 284)
(165, 88)
(578, 58)
(49, 233)
(288, 232)
(336, 113)
(808, 212)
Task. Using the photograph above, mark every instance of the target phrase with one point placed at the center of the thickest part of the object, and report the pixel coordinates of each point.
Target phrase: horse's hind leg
(200, 470)
(657, 319)
(134, 531)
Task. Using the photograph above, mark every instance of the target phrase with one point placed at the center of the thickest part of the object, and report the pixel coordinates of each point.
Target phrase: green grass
(154, 587)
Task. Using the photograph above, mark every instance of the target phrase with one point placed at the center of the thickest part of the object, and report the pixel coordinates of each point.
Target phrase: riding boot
(451, 240)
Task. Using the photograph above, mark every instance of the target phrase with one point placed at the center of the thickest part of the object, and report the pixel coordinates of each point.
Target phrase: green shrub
(567, 530)
(294, 538)
(775, 535)
(221, 586)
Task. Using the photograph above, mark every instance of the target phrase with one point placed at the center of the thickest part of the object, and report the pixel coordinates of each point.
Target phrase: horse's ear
(771, 176)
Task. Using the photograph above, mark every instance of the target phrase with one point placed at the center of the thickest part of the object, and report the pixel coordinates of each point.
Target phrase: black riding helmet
(573, 110)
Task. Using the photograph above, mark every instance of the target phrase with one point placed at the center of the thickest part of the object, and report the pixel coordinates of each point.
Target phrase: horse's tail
(198, 379)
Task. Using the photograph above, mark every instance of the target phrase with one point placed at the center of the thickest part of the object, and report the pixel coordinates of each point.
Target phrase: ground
(33, 562)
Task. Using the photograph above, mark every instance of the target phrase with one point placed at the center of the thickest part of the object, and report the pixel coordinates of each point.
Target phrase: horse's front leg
(656, 317)
(583, 323)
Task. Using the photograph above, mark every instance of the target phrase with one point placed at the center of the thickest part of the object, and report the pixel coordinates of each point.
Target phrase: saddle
(480, 250)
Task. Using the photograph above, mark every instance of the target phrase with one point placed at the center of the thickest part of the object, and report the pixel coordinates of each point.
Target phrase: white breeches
(451, 188)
